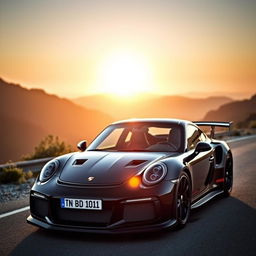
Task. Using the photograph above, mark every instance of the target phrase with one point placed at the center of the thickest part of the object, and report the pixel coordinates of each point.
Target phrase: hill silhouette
(237, 111)
(153, 106)
(26, 116)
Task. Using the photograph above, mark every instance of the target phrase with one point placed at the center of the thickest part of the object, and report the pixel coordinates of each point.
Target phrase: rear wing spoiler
(213, 124)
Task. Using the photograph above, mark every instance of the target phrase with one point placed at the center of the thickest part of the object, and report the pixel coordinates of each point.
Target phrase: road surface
(225, 226)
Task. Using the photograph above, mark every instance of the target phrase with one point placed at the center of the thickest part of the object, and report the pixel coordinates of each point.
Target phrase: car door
(200, 164)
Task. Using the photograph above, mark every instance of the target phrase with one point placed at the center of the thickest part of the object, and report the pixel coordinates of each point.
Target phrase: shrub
(50, 146)
(13, 174)
(252, 124)
(28, 175)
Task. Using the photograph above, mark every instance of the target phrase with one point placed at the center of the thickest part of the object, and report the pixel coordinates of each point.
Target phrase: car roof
(154, 120)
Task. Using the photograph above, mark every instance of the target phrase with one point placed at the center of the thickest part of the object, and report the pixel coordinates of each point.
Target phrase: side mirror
(202, 147)
(82, 145)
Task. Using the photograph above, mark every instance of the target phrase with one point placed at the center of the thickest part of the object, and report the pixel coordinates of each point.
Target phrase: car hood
(106, 168)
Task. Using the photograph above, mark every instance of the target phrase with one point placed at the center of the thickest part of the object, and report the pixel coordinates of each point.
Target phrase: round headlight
(154, 173)
(48, 170)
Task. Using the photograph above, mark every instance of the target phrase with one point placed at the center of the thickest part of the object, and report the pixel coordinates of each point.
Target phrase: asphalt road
(225, 226)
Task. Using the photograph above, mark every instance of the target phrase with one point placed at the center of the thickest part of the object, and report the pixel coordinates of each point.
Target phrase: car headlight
(48, 170)
(154, 173)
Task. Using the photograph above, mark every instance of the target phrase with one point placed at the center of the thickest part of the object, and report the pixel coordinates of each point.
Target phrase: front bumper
(123, 210)
(107, 230)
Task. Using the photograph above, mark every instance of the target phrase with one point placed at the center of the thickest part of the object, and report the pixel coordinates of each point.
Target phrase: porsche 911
(138, 175)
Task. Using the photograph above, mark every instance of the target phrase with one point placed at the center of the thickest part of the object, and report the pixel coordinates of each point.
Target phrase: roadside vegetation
(246, 127)
(248, 123)
(12, 174)
(50, 146)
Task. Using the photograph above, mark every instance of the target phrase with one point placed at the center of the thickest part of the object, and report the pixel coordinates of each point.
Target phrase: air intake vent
(79, 161)
(136, 162)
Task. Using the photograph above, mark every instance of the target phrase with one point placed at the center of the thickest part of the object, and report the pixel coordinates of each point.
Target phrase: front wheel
(183, 200)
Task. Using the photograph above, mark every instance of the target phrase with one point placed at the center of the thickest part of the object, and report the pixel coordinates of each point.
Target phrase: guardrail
(31, 165)
(37, 164)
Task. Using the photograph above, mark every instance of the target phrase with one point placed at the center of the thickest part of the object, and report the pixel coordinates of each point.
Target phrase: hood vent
(136, 162)
(79, 161)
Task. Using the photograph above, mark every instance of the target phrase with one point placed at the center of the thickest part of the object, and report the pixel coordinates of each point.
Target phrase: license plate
(88, 204)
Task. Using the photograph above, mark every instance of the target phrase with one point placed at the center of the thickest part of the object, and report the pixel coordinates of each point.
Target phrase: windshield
(151, 137)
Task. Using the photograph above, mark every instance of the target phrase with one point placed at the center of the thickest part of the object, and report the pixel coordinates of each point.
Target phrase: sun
(125, 74)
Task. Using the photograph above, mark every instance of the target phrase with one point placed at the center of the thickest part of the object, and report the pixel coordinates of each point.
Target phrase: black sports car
(137, 175)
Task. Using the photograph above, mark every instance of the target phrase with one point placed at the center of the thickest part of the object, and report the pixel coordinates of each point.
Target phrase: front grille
(38, 207)
(139, 212)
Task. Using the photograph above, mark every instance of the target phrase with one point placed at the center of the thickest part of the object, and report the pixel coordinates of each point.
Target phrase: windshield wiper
(133, 150)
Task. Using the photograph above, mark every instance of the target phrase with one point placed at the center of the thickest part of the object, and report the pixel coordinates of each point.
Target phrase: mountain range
(26, 116)
(236, 111)
(153, 106)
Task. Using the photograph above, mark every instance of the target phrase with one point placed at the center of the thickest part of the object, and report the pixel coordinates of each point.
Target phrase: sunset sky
(74, 48)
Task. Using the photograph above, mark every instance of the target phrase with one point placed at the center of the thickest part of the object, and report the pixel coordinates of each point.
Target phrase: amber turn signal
(134, 182)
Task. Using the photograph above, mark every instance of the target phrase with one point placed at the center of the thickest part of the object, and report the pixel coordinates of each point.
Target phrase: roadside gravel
(10, 192)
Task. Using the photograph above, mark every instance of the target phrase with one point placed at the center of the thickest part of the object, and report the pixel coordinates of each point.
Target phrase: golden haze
(128, 47)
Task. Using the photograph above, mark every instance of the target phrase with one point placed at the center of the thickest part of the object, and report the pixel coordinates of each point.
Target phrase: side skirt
(206, 198)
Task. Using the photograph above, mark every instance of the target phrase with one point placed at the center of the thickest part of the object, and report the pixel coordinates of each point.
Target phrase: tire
(183, 200)
(228, 175)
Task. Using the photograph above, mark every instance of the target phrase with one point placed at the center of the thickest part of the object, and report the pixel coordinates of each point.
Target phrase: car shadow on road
(224, 226)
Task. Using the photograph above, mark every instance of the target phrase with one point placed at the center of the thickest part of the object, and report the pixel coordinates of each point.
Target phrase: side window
(193, 136)
(112, 139)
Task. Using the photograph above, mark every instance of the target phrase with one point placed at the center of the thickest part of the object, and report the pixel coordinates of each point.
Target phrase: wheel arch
(175, 167)
(187, 171)
(229, 152)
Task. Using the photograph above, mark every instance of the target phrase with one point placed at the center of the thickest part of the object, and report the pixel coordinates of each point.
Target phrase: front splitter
(123, 230)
